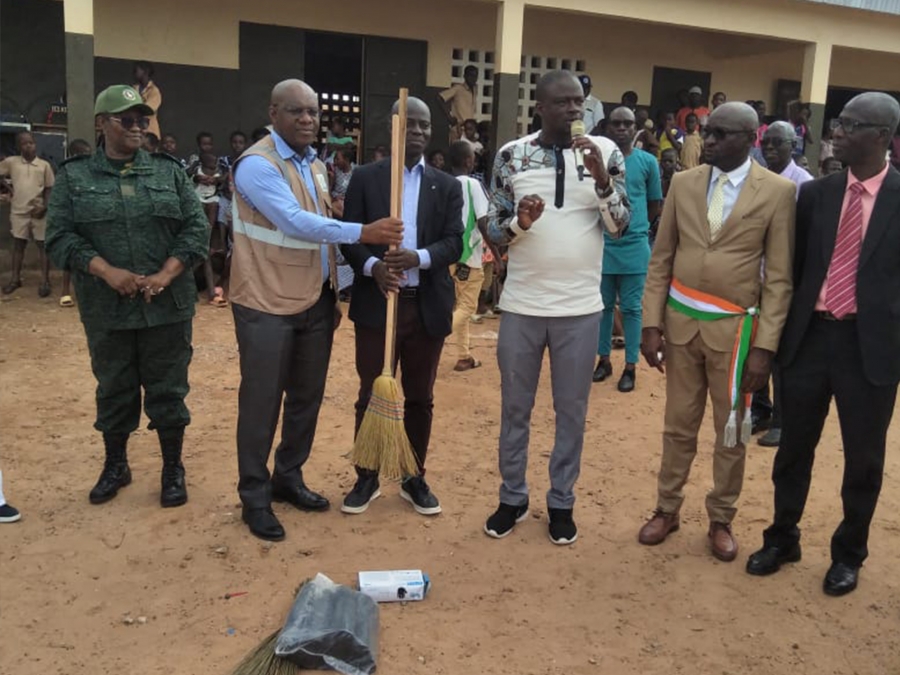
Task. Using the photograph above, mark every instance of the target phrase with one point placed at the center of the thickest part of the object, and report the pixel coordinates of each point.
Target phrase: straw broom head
(262, 661)
(381, 444)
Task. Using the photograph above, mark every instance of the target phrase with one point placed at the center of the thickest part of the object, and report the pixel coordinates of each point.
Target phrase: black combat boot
(116, 473)
(173, 491)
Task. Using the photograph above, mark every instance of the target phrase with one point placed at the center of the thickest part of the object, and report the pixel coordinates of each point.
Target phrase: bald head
(288, 90)
(548, 83)
(875, 107)
(735, 115)
(413, 104)
(294, 112)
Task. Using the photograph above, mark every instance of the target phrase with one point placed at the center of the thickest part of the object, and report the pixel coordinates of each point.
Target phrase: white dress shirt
(593, 113)
(732, 189)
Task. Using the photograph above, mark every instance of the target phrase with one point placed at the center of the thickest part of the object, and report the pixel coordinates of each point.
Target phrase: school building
(216, 60)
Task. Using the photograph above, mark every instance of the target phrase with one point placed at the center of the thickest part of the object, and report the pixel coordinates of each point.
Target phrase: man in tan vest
(721, 318)
(284, 297)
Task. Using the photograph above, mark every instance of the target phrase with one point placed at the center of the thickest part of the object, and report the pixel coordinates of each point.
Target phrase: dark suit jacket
(439, 230)
(877, 280)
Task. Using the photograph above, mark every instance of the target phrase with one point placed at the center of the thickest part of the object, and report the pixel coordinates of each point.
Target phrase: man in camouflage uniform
(129, 227)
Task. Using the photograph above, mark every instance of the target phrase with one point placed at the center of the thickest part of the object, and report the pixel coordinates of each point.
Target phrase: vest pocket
(294, 257)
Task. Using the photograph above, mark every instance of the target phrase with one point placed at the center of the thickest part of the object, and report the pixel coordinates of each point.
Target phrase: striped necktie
(716, 212)
(840, 293)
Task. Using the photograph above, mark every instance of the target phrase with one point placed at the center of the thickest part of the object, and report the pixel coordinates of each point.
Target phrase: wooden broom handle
(398, 159)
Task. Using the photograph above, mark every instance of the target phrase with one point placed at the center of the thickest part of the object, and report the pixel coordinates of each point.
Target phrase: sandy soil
(73, 573)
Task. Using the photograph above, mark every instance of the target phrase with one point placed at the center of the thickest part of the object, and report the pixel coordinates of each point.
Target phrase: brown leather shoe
(724, 545)
(658, 528)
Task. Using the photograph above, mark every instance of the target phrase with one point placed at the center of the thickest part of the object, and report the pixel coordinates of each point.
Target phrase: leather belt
(828, 316)
(409, 292)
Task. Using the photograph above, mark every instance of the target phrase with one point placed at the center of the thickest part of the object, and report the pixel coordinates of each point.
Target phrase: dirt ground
(76, 579)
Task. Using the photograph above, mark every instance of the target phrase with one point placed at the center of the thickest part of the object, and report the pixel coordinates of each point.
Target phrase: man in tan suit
(704, 288)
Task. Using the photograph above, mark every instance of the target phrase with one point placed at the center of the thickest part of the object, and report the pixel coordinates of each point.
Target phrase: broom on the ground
(382, 444)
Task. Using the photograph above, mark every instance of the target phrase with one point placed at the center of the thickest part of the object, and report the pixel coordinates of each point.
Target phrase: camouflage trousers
(154, 360)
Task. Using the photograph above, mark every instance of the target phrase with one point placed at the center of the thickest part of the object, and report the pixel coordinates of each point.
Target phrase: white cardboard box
(394, 585)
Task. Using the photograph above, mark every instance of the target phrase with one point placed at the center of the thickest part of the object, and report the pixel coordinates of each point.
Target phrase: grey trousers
(572, 342)
(284, 362)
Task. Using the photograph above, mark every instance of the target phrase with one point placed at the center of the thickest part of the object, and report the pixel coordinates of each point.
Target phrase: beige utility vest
(270, 271)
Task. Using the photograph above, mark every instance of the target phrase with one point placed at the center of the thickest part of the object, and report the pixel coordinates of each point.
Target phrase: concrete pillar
(79, 22)
(508, 60)
(814, 92)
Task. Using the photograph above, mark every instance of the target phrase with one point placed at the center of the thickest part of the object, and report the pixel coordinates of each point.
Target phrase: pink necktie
(840, 292)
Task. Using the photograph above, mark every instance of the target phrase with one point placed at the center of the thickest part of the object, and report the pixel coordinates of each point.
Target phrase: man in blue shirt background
(625, 259)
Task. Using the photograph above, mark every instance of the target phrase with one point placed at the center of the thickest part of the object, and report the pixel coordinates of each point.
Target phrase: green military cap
(119, 98)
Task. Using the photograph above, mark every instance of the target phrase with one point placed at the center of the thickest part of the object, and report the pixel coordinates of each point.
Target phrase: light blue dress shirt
(412, 185)
(263, 187)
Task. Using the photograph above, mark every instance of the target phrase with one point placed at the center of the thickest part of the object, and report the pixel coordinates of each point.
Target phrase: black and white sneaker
(416, 491)
(363, 493)
(9, 514)
(504, 520)
(562, 527)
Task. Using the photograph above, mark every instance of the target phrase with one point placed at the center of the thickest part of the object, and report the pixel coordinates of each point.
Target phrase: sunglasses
(850, 126)
(775, 142)
(129, 122)
(721, 134)
(626, 124)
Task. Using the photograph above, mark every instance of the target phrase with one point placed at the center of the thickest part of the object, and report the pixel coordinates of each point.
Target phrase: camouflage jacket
(134, 219)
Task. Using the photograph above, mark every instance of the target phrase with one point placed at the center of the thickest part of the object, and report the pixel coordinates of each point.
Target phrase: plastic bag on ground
(331, 627)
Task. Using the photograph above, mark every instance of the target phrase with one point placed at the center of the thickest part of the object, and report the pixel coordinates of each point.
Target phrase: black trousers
(829, 364)
(284, 359)
(419, 355)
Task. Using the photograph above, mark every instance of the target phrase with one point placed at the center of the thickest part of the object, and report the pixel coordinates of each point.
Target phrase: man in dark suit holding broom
(418, 272)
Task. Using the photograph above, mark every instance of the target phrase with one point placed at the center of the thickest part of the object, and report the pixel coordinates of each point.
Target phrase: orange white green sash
(705, 307)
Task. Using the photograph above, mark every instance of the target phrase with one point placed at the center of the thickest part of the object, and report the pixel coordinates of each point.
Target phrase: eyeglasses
(722, 134)
(627, 124)
(850, 126)
(128, 122)
(775, 142)
(299, 112)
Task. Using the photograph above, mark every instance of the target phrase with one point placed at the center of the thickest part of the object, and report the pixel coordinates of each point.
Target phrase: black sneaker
(416, 491)
(602, 371)
(562, 527)
(9, 514)
(504, 520)
(363, 493)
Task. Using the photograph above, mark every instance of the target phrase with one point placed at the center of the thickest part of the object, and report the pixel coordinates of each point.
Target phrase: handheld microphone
(577, 129)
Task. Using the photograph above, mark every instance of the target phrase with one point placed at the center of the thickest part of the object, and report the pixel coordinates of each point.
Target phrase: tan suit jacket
(760, 227)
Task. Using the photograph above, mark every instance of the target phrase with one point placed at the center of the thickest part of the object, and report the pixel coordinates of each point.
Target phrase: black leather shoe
(115, 475)
(769, 559)
(840, 579)
(300, 497)
(173, 491)
(626, 382)
(602, 371)
(263, 524)
(760, 424)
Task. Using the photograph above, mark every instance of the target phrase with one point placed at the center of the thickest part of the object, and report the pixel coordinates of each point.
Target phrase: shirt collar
(287, 152)
(735, 176)
(418, 168)
(871, 185)
(789, 169)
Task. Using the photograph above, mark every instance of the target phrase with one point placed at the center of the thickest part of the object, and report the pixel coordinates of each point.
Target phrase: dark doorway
(390, 63)
(334, 65)
(667, 82)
